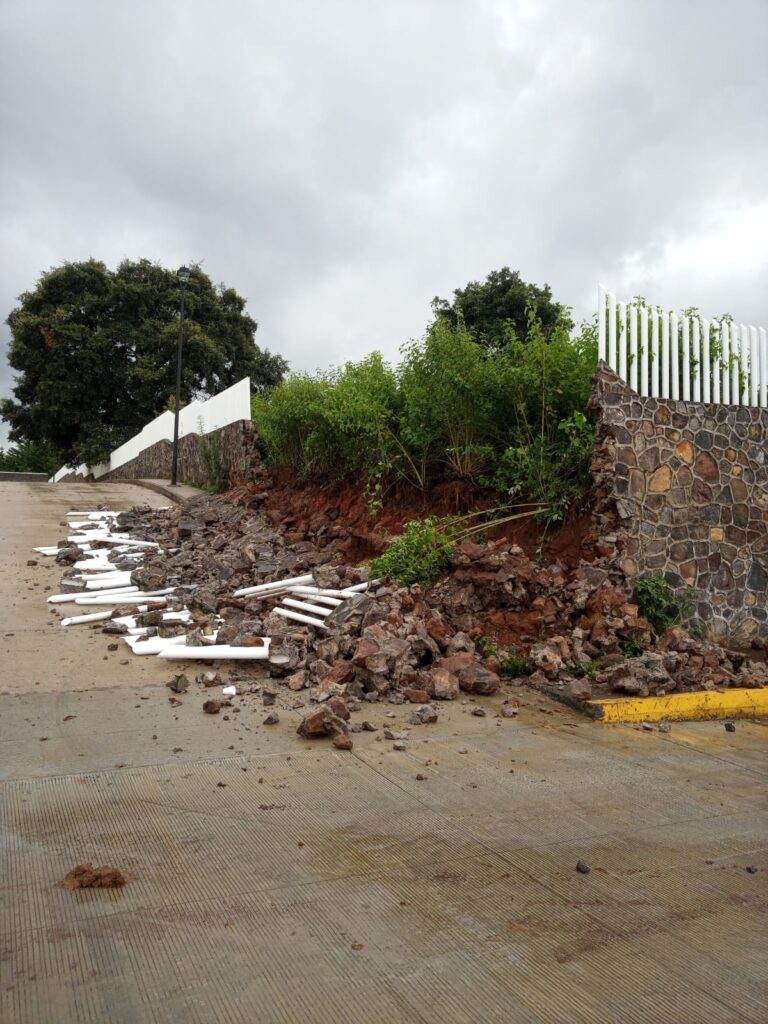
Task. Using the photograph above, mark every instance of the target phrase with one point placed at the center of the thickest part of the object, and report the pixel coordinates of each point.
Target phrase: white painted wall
(227, 407)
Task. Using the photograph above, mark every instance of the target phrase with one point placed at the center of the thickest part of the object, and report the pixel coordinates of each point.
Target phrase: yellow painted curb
(697, 706)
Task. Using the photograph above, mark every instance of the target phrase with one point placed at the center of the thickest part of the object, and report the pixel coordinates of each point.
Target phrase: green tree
(95, 353)
(495, 310)
(30, 457)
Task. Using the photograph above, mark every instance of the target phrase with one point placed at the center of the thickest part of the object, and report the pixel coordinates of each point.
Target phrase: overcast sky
(341, 162)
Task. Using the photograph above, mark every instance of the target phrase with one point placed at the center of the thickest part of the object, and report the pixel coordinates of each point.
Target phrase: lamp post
(183, 276)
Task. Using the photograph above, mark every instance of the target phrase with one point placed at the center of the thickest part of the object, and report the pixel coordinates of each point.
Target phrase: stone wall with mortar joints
(237, 445)
(682, 491)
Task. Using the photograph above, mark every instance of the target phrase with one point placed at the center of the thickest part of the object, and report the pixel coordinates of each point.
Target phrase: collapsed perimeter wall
(235, 442)
(683, 493)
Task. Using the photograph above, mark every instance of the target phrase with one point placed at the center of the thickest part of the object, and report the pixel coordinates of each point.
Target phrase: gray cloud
(341, 163)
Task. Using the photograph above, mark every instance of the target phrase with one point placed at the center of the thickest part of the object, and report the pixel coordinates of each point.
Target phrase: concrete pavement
(276, 880)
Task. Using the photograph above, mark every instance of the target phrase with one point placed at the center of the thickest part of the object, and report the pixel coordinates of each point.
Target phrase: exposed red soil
(566, 543)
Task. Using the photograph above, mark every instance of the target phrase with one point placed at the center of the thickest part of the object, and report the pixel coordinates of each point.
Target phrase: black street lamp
(183, 276)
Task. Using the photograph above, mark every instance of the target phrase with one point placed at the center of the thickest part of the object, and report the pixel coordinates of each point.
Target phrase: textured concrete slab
(276, 880)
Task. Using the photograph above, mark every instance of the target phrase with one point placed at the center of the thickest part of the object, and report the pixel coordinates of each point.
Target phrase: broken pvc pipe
(298, 617)
(305, 606)
(216, 652)
(265, 588)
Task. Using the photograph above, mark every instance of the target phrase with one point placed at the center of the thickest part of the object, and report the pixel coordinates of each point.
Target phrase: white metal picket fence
(663, 355)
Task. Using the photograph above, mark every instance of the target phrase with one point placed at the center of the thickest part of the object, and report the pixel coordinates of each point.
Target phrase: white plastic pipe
(125, 540)
(75, 620)
(359, 587)
(111, 582)
(155, 644)
(87, 515)
(216, 652)
(317, 592)
(129, 598)
(74, 597)
(47, 550)
(324, 597)
(298, 617)
(304, 606)
(265, 588)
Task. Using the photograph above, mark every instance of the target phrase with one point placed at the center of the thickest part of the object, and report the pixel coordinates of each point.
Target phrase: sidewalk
(178, 494)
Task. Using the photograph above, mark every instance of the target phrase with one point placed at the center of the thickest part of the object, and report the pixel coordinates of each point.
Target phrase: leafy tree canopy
(495, 310)
(95, 353)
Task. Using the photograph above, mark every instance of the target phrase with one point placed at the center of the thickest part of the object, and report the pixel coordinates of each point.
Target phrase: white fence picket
(655, 354)
(665, 355)
(633, 367)
(623, 340)
(725, 362)
(706, 363)
(686, 346)
(669, 356)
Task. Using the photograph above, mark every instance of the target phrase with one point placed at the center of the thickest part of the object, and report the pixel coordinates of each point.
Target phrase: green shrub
(658, 603)
(553, 470)
(452, 419)
(286, 417)
(512, 417)
(419, 554)
(333, 424)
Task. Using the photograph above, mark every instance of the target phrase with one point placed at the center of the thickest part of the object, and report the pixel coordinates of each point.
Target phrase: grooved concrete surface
(275, 880)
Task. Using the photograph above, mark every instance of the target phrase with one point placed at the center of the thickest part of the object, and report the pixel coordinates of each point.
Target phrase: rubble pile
(495, 613)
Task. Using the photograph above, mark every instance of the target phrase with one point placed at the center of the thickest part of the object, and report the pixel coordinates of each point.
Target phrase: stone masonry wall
(237, 445)
(683, 493)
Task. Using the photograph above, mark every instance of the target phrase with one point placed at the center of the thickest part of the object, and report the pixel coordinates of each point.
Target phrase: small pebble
(582, 868)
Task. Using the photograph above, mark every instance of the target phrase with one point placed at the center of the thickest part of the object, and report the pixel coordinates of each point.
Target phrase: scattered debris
(582, 868)
(179, 684)
(86, 876)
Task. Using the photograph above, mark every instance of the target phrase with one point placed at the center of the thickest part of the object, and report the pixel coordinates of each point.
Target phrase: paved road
(275, 880)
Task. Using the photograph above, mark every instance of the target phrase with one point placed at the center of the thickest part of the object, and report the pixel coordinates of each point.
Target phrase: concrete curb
(178, 495)
(692, 707)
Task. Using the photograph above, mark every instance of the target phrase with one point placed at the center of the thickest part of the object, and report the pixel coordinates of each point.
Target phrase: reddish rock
(339, 707)
(415, 696)
(436, 629)
(321, 722)
(341, 741)
(441, 684)
(365, 649)
(580, 689)
(297, 681)
(477, 679)
(457, 662)
(341, 672)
